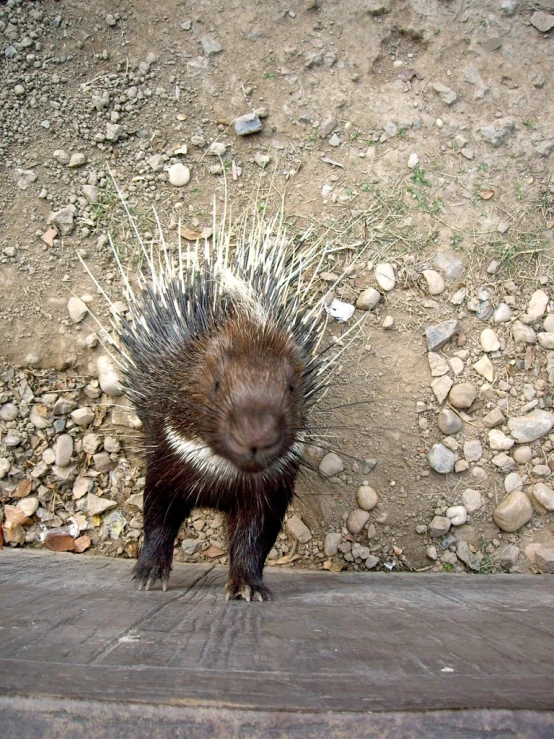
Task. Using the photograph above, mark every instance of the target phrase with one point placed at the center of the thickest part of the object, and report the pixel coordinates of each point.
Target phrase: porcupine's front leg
(164, 512)
(250, 540)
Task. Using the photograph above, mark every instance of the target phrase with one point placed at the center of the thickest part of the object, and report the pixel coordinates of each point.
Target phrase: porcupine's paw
(236, 589)
(148, 573)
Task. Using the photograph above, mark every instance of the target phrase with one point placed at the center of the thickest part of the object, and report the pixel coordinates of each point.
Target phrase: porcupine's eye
(291, 388)
(217, 386)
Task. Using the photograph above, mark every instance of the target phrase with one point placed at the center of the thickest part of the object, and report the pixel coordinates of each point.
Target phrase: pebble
(97, 505)
(331, 464)
(449, 422)
(91, 193)
(473, 450)
(328, 126)
(489, 340)
(537, 304)
(108, 377)
(247, 124)
(508, 557)
(544, 559)
(457, 366)
(28, 506)
(77, 309)
(368, 299)
(334, 140)
(384, 275)
(63, 219)
(523, 334)
(485, 368)
(371, 562)
(331, 544)
(504, 462)
(441, 459)
(548, 324)
(178, 174)
(81, 486)
(190, 546)
(432, 553)
(497, 133)
(296, 528)
(523, 454)
(91, 443)
(512, 482)
(39, 417)
(438, 364)
(465, 554)
(435, 282)
(83, 416)
(439, 334)
(114, 131)
(4, 467)
(502, 314)
(359, 551)
(64, 450)
(447, 95)
(463, 395)
(367, 497)
(472, 500)
(546, 339)
(531, 427)
(457, 515)
(77, 160)
(9, 412)
(210, 45)
(413, 160)
(545, 495)
(216, 149)
(494, 418)
(439, 526)
(514, 512)
(388, 323)
(441, 387)
(499, 442)
(357, 520)
(542, 21)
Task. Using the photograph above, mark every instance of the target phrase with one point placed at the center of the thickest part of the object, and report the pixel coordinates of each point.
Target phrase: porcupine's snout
(256, 437)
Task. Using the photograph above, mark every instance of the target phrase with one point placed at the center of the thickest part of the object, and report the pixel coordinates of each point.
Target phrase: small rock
(331, 464)
(438, 364)
(335, 140)
(508, 557)
(435, 282)
(438, 335)
(494, 418)
(432, 553)
(81, 486)
(210, 45)
(4, 467)
(544, 559)
(497, 133)
(61, 156)
(465, 554)
(359, 551)
(546, 339)
(473, 451)
(97, 505)
(108, 377)
(178, 174)
(156, 162)
(247, 124)
(371, 562)
(384, 274)
(449, 422)
(548, 324)
(357, 520)
(368, 299)
(489, 340)
(216, 149)
(77, 309)
(523, 334)
(512, 482)
(114, 131)
(413, 160)
(40, 417)
(514, 512)
(457, 515)
(328, 126)
(457, 366)
(378, 7)
(28, 506)
(499, 442)
(64, 450)
(484, 367)
(463, 395)
(296, 528)
(9, 412)
(502, 314)
(543, 22)
(441, 459)
(447, 95)
(91, 193)
(77, 160)
(64, 219)
(190, 546)
(441, 387)
(523, 454)
(537, 304)
(504, 462)
(472, 500)
(531, 427)
(331, 544)
(367, 497)
(545, 495)
(83, 416)
(439, 526)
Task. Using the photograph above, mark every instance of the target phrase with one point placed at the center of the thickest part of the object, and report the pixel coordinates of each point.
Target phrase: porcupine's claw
(147, 579)
(235, 591)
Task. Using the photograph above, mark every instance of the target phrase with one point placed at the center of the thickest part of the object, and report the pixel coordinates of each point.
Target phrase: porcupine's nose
(256, 435)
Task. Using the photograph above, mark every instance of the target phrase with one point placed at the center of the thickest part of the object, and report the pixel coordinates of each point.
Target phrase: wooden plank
(74, 627)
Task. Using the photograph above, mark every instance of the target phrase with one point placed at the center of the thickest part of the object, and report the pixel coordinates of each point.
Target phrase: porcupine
(221, 360)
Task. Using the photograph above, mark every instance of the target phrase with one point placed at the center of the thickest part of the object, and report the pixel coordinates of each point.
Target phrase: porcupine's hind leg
(164, 512)
(251, 536)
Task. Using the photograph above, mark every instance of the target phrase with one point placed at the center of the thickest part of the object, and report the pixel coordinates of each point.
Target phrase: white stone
(77, 309)
(331, 464)
(438, 364)
(384, 274)
(473, 450)
(512, 482)
(368, 299)
(357, 520)
(484, 367)
(108, 377)
(331, 544)
(472, 500)
(441, 387)
(463, 395)
(545, 495)
(548, 324)
(546, 339)
(457, 515)
(502, 314)
(435, 282)
(295, 527)
(97, 505)
(514, 512)
(531, 427)
(489, 340)
(413, 160)
(179, 175)
(367, 497)
(28, 506)
(537, 304)
(499, 442)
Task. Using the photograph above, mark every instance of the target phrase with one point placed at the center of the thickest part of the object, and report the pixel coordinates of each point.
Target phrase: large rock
(531, 427)
(439, 334)
(514, 512)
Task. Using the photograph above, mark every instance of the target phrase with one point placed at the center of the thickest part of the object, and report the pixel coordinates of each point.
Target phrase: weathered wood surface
(73, 628)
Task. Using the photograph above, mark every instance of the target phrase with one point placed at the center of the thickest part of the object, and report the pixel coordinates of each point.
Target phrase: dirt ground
(419, 133)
